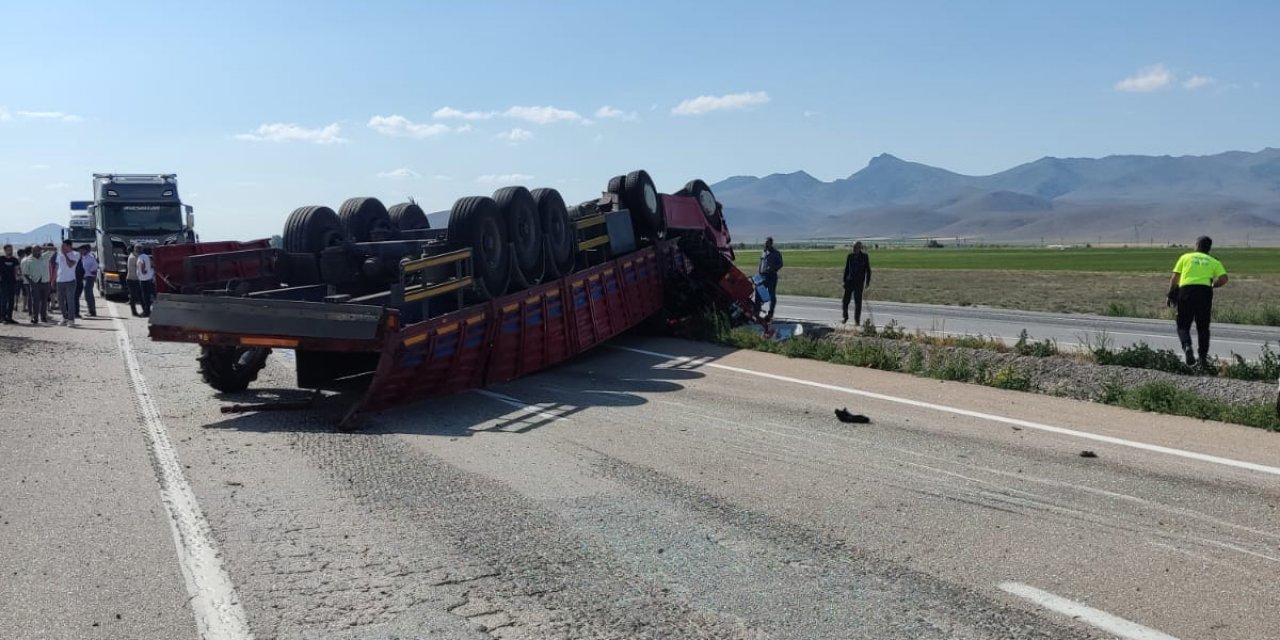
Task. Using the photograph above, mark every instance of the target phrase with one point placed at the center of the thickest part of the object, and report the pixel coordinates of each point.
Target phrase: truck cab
(134, 209)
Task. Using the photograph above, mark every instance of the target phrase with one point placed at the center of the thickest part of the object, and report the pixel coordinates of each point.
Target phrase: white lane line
(1094, 617)
(531, 409)
(1181, 453)
(214, 602)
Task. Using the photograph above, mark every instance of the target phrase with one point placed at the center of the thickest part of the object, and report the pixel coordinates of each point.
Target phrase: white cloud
(508, 178)
(464, 128)
(706, 104)
(1197, 82)
(39, 167)
(403, 173)
(442, 178)
(4, 115)
(516, 135)
(543, 115)
(449, 113)
(50, 115)
(1147, 79)
(402, 127)
(282, 132)
(608, 113)
(57, 186)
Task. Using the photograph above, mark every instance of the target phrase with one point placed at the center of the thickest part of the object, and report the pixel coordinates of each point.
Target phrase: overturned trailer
(516, 283)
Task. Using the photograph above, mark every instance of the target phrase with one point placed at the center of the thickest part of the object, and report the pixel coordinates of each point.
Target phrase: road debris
(1088, 454)
(856, 418)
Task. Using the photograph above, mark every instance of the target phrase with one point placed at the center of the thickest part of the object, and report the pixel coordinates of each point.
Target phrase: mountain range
(51, 232)
(1232, 196)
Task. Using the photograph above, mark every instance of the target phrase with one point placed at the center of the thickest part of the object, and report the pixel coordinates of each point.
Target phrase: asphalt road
(1068, 329)
(650, 489)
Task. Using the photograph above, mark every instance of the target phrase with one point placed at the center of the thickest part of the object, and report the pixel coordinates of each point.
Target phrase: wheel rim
(708, 203)
(650, 197)
(489, 244)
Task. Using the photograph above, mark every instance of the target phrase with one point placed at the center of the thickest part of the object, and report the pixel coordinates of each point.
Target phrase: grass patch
(1099, 260)
(1246, 300)
(1162, 397)
(1011, 378)
(1141, 356)
(1040, 348)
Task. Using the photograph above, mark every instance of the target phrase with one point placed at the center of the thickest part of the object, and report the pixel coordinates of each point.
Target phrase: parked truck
(129, 209)
(516, 283)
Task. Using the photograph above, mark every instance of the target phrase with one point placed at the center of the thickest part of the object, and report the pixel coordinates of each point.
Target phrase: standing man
(146, 280)
(857, 277)
(90, 264)
(35, 270)
(68, 261)
(770, 265)
(8, 284)
(131, 279)
(1191, 286)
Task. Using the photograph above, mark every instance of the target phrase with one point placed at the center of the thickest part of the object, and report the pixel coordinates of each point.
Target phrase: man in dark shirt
(8, 284)
(770, 264)
(857, 277)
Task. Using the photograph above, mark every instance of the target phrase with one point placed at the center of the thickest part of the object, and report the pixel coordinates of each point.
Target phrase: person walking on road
(770, 265)
(89, 263)
(35, 271)
(857, 277)
(68, 262)
(146, 281)
(9, 264)
(1191, 286)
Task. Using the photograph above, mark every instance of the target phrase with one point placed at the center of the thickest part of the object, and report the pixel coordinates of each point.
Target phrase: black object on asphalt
(1088, 454)
(857, 418)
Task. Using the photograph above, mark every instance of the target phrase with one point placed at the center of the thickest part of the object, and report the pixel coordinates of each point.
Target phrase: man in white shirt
(147, 280)
(67, 260)
(90, 264)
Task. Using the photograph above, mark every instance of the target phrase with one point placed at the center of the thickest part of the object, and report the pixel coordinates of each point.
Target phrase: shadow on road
(601, 378)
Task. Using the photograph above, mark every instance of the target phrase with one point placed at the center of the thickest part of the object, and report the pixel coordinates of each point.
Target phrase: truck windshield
(142, 218)
(81, 234)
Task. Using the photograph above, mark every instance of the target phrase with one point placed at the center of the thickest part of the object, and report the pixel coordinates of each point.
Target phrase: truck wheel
(407, 216)
(555, 224)
(312, 230)
(231, 369)
(365, 220)
(617, 185)
(474, 223)
(524, 229)
(706, 199)
(641, 197)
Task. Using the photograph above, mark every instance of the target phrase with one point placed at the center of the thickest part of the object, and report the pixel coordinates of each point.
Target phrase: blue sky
(261, 107)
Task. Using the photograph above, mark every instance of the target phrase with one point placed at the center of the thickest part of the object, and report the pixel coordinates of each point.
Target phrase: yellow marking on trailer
(438, 289)
(448, 329)
(444, 258)
(593, 221)
(263, 341)
(593, 243)
(412, 340)
(475, 319)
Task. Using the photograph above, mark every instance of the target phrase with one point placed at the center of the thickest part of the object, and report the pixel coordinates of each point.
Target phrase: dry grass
(1137, 295)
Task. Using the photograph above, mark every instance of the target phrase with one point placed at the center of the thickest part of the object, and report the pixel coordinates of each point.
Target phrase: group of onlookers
(69, 274)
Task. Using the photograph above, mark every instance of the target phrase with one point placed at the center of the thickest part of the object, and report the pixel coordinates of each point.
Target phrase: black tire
(557, 227)
(408, 216)
(641, 197)
(616, 185)
(524, 230)
(231, 369)
(699, 190)
(475, 223)
(312, 230)
(365, 219)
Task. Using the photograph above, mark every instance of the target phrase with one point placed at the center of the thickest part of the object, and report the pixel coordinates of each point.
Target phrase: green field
(1237, 260)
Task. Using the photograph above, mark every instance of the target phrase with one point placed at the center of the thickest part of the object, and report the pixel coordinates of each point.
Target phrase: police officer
(1191, 286)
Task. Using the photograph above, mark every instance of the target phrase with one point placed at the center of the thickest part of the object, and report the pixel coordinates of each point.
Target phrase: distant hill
(1234, 196)
(51, 232)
